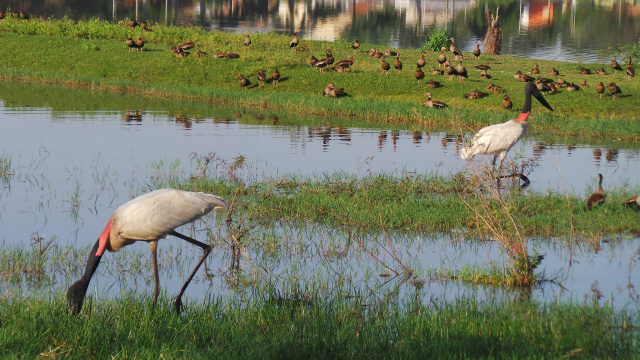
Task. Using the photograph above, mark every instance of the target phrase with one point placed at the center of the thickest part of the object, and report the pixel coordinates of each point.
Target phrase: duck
(484, 75)
(633, 202)
(449, 70)
(442, 58)
(630, 71)
(312, 61)
(200, 54)
(247, 39)
(329, 57)
(231, 55)
(294, 41)
(483, 66)
(275, 77)
(602, 71)
(523, 77)
(600, 89)
(583, 84)
(181, 53)
(419, 74)
(335, 93)
(219, 55)
(348, 61)
(614, 65)
(244, 82)
(422, 61)
(435, 71)
(131, 44)
(585, 71)
(506, 102)
(573, 87)
(262, 78)
(139, 44)
(187, 45)
(432, 84)
(476, 51)
(397, 64)
(475, 94)
(494, 88)
(555, 72)
(542, 86)
(535, 70)
(597, 198)
(614, 89)
(456, 52)
(320, 64)
(355, 45)
(462, 71)
(385, 66)
(132, 24)
(388, 53)
(433, 103)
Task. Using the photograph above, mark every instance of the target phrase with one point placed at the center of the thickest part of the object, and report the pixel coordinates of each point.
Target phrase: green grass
(304, 326)
(93, 54)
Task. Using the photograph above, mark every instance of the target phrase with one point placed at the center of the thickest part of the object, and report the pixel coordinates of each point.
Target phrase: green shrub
(436, 39)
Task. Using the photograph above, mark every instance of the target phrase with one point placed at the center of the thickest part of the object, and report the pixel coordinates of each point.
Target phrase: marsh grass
(93, 54)
(306, 325)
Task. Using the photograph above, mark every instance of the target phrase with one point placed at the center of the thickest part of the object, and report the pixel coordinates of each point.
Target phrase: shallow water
(72, 168)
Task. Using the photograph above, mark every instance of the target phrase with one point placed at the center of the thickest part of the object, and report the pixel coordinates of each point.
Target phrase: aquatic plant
(437, 38)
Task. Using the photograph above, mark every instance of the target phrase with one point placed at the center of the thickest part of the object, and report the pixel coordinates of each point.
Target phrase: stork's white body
(496, 139)
(152, 216)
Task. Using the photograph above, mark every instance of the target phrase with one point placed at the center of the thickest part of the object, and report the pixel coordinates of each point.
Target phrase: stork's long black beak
(531, 89)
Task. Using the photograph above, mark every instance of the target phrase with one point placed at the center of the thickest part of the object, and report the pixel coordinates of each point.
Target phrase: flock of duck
(494, 140)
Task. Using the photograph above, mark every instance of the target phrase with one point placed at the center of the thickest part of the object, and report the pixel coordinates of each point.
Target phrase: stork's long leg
(207, 249)
(154, 257)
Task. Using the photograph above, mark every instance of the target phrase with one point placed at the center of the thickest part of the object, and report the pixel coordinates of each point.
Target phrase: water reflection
(561, 30)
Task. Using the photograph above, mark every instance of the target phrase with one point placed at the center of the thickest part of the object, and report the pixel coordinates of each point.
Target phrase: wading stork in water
(148, 218)
(498, 139)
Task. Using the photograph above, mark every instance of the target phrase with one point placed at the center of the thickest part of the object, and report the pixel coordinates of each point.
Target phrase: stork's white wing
(153, 215)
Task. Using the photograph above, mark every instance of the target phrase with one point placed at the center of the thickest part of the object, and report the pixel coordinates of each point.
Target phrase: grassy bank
(306, 327)
(93, 54)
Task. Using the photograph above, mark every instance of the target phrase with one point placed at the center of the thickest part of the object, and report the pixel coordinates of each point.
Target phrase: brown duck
(449, 70)
(597, 198)
(422, 61)
(432, 84)
(614, 64)
(247, 39)
(131, 44)
(506, 102)
(435, 71)
(484, 75)
(355, 45)
(262, 78)
(535, 70)
(633, 202)
(585, 71)
(476, 51)
(385, 66)
(483, 67)
(456, 52)
(397, 64)
(294, 42)
(442, 58)
(630, 70)
(600, 89)
(275, 77)
(614, 89)
(139, 44)
(419, 74)
(475, 94)
(348, 62)
(187, 45)
(433, 103)
(244, 82)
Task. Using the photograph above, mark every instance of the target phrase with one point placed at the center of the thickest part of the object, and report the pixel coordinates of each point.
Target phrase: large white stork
(498, 139)
(147, 218)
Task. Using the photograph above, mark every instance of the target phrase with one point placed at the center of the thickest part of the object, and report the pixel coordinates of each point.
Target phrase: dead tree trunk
(493, 40)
